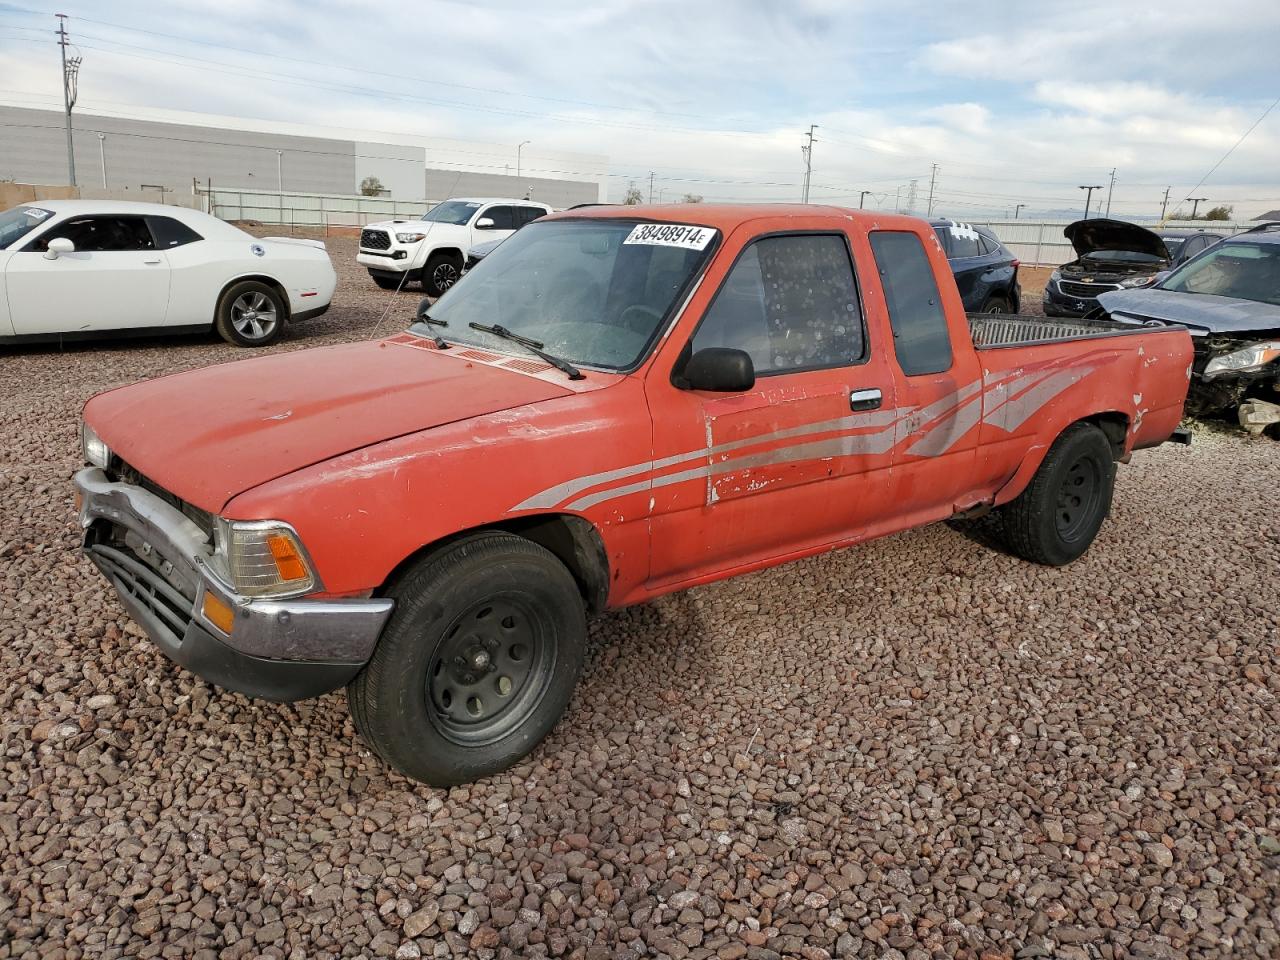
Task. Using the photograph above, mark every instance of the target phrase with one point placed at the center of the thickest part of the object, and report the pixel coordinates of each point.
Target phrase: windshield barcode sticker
(671, 235)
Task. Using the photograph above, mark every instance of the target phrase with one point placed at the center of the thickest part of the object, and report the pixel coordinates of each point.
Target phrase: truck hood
(208, 435)
(1204, 312)
(1086, 236)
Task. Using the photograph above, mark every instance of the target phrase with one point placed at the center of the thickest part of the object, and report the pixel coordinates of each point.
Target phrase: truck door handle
(865, 399)
(150, 262)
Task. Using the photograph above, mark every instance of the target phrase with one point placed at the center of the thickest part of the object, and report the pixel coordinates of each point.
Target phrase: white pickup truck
(433, 249)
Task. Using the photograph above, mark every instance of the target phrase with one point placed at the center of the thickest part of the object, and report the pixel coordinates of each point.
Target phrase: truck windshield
(1243, 271)
(595, 292)
(456, 212)
(20, 221)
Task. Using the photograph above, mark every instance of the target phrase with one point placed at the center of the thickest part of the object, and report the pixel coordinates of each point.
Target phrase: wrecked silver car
(1229, 299)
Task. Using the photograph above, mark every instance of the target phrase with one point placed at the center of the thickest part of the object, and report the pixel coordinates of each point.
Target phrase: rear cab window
(921, 339)
(791, 302)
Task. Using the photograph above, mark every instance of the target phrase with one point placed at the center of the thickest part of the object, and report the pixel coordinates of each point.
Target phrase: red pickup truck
(617, 403)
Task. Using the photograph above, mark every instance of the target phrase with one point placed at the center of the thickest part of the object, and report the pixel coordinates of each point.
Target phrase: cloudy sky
(1014, 102)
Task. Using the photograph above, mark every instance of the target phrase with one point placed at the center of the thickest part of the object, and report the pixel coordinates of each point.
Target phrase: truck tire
(249, 314)
(476, 664)
(1056, 518)
(441, 272)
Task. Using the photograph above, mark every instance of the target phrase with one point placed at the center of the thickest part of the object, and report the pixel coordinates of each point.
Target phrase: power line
(1243, 136)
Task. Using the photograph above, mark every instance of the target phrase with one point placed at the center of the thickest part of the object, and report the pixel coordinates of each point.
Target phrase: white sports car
(88, 267)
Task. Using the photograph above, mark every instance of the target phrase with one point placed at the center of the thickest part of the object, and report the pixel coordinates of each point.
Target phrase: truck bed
(994, 330)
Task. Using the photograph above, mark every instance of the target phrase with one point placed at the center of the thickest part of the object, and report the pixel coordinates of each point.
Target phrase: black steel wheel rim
(445, 276)
(1078, 498)
(490, 671)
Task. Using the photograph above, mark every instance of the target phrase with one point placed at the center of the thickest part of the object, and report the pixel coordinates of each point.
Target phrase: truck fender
(574, 540)
(1115, 426)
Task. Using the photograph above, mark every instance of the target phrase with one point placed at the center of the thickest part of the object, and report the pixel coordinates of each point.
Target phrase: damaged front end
(1230, 369)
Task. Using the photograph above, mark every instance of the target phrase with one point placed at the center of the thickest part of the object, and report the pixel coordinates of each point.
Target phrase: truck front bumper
(161, 565)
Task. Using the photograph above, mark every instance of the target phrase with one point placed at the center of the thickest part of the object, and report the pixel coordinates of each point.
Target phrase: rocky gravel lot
(918, 748)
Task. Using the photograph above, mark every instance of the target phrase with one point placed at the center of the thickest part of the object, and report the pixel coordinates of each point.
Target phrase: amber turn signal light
(218, 613)
(288, 561)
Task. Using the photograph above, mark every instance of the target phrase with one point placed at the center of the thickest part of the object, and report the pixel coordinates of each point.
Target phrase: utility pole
(897, 199)
(863, 198)
(933, 178)
(70, 75)
(102, 155)
(519, 148)
(280, 181)
(1089, 196)
(1164, 203)
(651, 186)
(1109, 189)
(1017, 209)
(1195, 204)
(807, 150)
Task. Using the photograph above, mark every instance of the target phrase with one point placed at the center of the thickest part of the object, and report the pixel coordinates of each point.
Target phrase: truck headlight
(410, 237)
(95, 451)
(1130, 283)
(1247, 358)
(264, 558)
(1055, 276)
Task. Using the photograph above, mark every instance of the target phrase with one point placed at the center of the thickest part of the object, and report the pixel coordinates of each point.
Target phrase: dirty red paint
(373, 450)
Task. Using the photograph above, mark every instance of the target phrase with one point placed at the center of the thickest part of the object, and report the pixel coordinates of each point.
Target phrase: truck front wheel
(441, 272)
(1057, 517)
(477, 663)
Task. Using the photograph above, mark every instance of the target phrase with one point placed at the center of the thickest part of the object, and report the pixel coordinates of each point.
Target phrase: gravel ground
(917, 748)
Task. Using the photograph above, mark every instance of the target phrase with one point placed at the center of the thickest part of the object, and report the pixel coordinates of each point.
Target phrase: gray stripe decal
(948, 419)
(1015, 412)
(554, 495)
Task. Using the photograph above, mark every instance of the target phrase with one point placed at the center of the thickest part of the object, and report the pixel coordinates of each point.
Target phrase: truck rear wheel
(1057, 517)
(477, 663)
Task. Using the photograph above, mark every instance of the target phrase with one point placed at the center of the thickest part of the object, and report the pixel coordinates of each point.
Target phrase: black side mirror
(722, 369)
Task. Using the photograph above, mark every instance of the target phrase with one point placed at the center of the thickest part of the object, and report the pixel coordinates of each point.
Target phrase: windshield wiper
(424, 320)
(533, 346)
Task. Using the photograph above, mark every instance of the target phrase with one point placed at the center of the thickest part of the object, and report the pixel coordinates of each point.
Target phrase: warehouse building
(174, 151)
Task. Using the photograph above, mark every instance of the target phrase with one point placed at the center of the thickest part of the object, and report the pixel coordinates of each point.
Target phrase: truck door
(802, 458)
(938, 379)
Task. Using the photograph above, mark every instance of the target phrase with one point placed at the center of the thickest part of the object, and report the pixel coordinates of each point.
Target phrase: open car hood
(1099, 234)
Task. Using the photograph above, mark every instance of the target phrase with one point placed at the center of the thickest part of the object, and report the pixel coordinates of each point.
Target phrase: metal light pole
(280, 181)
(1089, 196)
(520, 147)
(1017, 209)
(102, 155)
(1195, 204)
(862, 198)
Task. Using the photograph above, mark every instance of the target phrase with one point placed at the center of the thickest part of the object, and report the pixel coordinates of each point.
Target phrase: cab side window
(528, 215)
(791, 302)
(170, 233)
(100, 235)
(503, 218)
(921, 340)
